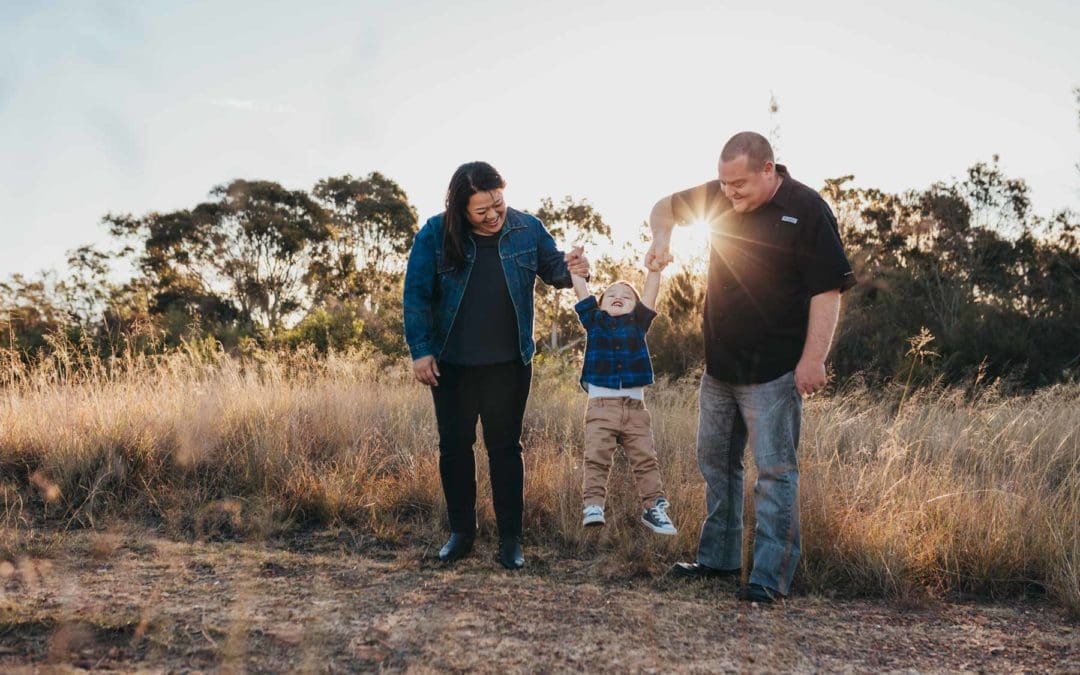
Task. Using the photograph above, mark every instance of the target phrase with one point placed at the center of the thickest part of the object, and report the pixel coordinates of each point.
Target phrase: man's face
(486, 212)
(747, 189)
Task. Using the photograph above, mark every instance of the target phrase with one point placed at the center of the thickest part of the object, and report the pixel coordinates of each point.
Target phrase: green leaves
(573, 221)
(266, 254)
(372, 225)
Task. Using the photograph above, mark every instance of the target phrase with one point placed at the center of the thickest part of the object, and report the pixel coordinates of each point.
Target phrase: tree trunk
(555, 322)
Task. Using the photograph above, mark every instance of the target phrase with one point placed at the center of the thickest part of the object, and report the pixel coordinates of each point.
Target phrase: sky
(125, 107)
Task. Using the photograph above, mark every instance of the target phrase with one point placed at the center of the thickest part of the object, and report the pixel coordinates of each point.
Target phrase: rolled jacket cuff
(420, 350)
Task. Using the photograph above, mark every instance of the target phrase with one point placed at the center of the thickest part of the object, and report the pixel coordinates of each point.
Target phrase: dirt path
(135, 602)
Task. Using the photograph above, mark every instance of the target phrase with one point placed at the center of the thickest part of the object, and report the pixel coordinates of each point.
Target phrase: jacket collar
(514, 219)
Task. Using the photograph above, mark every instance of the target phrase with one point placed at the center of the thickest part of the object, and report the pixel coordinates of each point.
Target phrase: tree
(997, 201)
(264, 237)
(30, 312)
(371, 229)
(242, 257)
(86, 291)
(572, 222)
(774, 125)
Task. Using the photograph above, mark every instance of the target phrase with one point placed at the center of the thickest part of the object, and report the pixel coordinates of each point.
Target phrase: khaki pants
(619, 421)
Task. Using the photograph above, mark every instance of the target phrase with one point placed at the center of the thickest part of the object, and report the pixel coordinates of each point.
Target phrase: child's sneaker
(592, 514)
(656, 518)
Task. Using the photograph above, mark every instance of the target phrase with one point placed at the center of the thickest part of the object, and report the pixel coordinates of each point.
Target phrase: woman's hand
(426, 370)
(577, 263)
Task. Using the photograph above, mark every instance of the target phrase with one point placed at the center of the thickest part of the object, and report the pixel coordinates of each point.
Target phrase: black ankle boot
(457, 547)
(510, 554)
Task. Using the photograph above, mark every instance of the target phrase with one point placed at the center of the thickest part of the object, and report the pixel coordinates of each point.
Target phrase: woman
(468, 322)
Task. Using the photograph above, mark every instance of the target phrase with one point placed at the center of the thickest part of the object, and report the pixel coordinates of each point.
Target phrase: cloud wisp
(251, 105)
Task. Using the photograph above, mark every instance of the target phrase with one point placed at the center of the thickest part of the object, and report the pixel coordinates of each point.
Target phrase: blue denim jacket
(433, 289)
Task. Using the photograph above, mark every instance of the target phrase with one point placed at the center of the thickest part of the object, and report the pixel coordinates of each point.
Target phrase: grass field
(903, 496)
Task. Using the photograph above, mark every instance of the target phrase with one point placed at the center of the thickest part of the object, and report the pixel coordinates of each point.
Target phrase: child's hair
(637, 298)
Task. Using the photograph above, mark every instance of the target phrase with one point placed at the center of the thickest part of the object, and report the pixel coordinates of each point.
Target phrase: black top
(764, 266)
(485, 327)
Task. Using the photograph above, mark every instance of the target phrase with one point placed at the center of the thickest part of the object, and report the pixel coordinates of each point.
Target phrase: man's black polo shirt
(764, 266)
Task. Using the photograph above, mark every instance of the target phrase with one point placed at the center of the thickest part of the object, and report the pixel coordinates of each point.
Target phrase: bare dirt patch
(337, 602)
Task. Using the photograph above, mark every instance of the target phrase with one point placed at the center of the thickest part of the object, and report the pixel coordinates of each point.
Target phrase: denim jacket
(433, 288)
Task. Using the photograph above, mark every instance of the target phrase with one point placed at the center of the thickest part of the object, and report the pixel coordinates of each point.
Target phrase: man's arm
(661, 221)
(652, 289)
(700, 203)
(824, 315)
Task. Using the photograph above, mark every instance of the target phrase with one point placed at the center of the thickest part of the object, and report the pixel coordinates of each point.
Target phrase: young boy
(615, 372)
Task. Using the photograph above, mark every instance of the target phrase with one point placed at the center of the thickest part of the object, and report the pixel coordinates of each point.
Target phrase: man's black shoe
(758, 593)
(457, 547)
(695, 570)
(510, 554)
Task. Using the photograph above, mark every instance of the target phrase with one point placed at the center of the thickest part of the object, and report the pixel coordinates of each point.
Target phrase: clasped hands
(658, 256)
(576, 262)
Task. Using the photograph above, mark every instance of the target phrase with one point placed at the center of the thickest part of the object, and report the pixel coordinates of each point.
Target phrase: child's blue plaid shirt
(616, 355)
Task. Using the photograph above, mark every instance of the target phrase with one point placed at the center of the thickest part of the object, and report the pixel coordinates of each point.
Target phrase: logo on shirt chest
(790, 219)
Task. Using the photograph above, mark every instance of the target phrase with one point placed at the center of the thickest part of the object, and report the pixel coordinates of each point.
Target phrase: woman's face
(486, 211)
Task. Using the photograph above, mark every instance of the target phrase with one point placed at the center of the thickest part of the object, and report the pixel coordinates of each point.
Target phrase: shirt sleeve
(643, 316)
(820, 256)
(703, 203)
(586, 310)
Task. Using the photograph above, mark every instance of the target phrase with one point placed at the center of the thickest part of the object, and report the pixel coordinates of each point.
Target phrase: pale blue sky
(129, 107)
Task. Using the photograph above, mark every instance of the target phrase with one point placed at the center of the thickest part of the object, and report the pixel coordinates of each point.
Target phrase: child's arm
(586, 307)
(581, 287)
(652, 289)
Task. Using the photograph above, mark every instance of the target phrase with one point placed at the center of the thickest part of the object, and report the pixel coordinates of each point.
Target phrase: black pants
(495, 394)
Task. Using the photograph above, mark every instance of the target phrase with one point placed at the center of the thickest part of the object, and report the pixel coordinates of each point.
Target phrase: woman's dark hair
(467, 180)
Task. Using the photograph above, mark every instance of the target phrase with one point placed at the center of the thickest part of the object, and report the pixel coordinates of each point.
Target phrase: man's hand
(426, 370)
(824, 313)
(577, 263)
(659, 255)
(809, 376)
(658, 263)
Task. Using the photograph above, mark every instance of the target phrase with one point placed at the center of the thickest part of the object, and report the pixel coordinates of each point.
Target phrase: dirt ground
(332, 602)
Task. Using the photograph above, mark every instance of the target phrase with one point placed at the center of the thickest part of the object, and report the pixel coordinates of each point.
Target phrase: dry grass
(948, 492)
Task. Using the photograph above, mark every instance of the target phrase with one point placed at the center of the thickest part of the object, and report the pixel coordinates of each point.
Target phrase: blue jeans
(769, 416)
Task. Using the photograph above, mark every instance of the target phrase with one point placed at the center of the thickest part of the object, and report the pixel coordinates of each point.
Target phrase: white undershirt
(603, 392)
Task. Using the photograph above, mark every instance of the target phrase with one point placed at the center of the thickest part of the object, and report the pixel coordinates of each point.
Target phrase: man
(776, 271)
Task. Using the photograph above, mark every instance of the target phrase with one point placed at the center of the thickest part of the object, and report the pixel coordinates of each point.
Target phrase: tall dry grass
(903, 494)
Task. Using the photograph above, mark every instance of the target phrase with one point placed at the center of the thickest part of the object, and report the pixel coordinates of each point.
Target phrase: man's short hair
(755, 146)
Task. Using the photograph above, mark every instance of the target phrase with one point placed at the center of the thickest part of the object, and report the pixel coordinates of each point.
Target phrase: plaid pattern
(616, 355)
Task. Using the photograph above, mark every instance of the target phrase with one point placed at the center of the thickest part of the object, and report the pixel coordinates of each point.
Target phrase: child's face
(617, 300)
